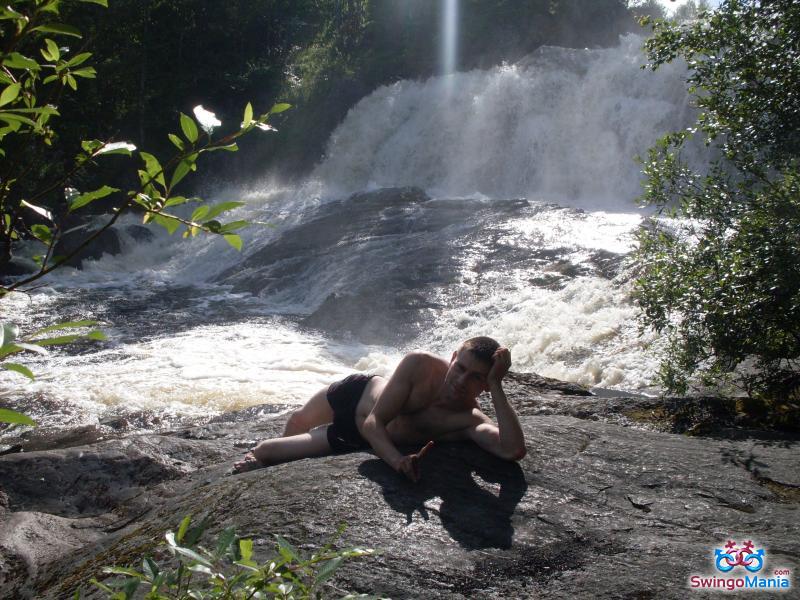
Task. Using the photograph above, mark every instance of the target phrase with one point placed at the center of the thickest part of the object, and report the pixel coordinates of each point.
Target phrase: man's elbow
(369, 426)
(515, 454)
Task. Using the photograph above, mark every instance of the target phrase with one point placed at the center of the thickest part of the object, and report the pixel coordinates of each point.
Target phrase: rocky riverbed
(613, 500)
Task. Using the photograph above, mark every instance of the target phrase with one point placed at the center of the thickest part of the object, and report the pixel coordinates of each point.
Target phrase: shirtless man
(425, 399)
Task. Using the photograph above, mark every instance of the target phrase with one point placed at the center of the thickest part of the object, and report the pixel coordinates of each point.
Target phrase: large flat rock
(597, 509)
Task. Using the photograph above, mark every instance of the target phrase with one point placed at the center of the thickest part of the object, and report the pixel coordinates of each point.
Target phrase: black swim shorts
(343, 396)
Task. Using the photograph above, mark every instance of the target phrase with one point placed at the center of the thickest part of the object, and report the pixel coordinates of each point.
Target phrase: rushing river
(495, 202)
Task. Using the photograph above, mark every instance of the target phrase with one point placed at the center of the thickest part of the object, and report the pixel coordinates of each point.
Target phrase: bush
(228, 571)
(723, 281)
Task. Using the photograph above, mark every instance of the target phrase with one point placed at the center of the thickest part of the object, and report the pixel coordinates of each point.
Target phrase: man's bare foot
(248, 463)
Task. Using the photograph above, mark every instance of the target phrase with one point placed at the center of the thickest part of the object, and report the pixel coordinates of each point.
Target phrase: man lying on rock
(427, 398)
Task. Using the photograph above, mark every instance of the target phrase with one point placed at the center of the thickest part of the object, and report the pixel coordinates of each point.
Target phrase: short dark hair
(482, 347)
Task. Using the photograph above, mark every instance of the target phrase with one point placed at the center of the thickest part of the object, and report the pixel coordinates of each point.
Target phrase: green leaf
(150, 568)
(327, 570)
(42, 233)
(169, 223)
(226, 148)
(248, 115)
(123, 571)
(246, 549)
(52, 52)
(189, 128)
(279, 108)
(9, 94)
(286, 550)
(12, 416)
(31, 348)
(19, 369)
(10, 13)
(226, 538)
(200, 213)
(87, 197)
(59, 29)
(10, 117)
(78, 59)
(114, 148)
(102, 586)
(15, 60)
(234, 225)
(67, 339)
(220, 208)
(38, 210)
(184, 526)
(153, 167)
(8, 349)
(177, 142)
(195, 532)
(65, 325)
(175, 201)
(100, 2)
(192, 555)
(183, 169)
(85, 72)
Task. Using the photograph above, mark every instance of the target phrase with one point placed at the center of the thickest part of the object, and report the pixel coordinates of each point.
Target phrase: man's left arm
(505, 439)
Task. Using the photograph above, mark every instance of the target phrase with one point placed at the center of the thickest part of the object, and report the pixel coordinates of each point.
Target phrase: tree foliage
(38, 70)
(723, 280)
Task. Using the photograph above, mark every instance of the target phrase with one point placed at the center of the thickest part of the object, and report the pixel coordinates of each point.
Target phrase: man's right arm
(392, 399)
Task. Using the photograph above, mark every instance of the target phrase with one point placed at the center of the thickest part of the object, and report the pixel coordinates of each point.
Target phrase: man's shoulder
(422, 359)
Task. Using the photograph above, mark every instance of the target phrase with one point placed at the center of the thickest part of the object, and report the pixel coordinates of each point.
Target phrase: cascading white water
(563, 125)
(197, 327)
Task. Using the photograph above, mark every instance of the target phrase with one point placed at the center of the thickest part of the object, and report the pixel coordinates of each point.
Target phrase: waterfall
(563, 125)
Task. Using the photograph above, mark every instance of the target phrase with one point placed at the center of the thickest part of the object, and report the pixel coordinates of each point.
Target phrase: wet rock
(16, 267)
(140, 233)
(607, 264)
(106, 243)
(603, 506)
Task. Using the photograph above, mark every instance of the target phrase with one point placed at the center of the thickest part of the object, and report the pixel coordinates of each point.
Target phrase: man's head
(482, 348)
(469, 366)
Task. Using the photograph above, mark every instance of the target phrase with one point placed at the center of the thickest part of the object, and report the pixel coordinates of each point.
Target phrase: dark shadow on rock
(478, 497)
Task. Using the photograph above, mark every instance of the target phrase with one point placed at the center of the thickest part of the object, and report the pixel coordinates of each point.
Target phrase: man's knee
(297, 423)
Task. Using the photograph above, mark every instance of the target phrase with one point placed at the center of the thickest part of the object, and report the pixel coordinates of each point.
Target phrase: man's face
(466, 376)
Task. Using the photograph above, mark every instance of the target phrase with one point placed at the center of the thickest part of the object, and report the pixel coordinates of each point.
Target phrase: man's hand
(501, 363)
(409, 465)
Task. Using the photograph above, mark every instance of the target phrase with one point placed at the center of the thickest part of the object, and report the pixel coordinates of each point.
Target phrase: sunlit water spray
(521, 233)
(449, 49)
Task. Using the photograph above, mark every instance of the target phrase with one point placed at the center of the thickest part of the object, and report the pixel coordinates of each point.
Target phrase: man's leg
(284, 449)
(314, 413)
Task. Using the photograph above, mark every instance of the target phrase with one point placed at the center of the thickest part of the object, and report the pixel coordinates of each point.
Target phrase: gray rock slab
(595, 510)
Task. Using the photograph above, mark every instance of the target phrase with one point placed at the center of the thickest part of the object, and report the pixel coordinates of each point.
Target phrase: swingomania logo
(742, 566)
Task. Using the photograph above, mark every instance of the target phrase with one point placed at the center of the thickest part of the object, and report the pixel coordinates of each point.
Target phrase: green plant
(35, 74)
(722, 281)
(227, 571)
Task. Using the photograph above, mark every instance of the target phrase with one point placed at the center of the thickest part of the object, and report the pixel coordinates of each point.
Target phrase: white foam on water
(585, 333)
(204, 370)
